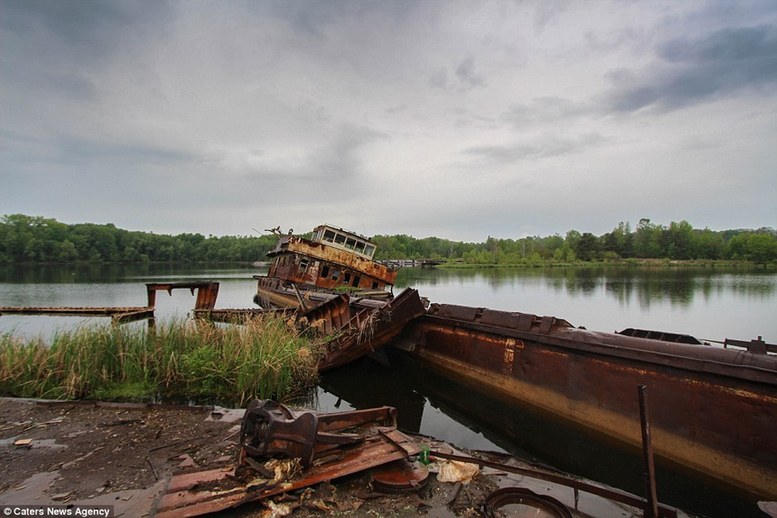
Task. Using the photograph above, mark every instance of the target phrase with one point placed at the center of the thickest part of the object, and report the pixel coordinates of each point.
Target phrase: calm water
(707, 303)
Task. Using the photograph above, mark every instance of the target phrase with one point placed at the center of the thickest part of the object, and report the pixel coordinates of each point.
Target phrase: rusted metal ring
(530, 500)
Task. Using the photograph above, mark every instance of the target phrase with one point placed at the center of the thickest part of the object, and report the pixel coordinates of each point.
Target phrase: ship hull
(711, 410)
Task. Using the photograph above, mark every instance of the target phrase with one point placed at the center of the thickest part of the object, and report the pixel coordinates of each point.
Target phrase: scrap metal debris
(283, 450)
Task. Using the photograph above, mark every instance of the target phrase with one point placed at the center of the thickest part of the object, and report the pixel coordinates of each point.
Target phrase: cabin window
(335, 275)
(360, 247)
(356, 281)
(329, 236)
(303, 265)
(350, 243)
(325, 272)
(369, 250)
(375, 285)
(347, 278)
(339, 239)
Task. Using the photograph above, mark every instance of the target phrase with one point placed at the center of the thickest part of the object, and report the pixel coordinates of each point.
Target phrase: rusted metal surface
(195, 494)
(660, 335)
(118, 314)
(206, 291)
(299, 260)
(651, 505)
(335, 259)
(588, 378)
(610, 493)
(367, 327)
(272, 292)
(270, 428)
(400, 476)
(529, 504)
(757, 346)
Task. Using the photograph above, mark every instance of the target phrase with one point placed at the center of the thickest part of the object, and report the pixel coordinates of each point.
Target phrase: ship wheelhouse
(332, 259)
(344, 240)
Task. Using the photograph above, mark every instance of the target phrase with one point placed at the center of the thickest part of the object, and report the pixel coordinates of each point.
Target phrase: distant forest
(33, 239)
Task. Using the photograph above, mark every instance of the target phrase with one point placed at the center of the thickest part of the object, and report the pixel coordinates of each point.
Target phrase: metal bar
(606, 492)
(757, 346)
(300, 299)
(651, 506)
(85, 311)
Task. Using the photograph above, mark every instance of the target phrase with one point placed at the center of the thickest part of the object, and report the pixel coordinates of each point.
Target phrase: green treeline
(29, 239)
(678, 241)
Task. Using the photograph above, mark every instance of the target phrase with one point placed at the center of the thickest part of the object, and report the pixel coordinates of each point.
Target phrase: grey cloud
(82, 30)
(341, 157)
(53, 46)
(464, 77)
(333, 170)
(546, 11)
(543, 110)
(467, 76)
(697, 70)
(546, 148)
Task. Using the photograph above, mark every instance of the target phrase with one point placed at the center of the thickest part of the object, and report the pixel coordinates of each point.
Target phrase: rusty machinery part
(400, 476)
(270, 429)
(525, 502)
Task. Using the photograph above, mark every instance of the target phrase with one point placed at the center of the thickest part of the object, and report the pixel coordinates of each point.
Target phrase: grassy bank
(180, 359)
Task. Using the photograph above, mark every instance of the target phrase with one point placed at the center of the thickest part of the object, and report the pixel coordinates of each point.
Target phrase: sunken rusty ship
(713, 409)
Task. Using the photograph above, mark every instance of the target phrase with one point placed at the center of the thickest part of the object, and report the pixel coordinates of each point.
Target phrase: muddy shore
(124, 455)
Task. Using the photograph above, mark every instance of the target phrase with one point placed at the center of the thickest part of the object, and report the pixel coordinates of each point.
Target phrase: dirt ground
(124, 455)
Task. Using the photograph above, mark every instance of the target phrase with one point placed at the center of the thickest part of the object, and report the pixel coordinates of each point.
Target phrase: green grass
(192, 360)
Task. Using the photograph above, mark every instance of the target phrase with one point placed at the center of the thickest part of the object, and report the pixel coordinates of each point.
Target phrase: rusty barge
(713, 409)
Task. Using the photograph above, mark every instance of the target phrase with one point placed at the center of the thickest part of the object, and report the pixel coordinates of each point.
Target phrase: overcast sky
(458, 119)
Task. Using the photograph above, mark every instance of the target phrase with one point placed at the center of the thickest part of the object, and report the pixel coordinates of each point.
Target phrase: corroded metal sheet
(299, 260)
(195, 494)
(206, 291)
(589, 378)
(369, 327)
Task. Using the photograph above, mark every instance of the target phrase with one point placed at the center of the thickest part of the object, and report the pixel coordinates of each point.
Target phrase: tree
(67, 252)
(679, 241)
(647, 240)
(587, 247)
(761, 248)
(709, 244)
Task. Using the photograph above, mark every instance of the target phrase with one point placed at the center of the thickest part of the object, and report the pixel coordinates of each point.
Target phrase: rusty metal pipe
(651, 505)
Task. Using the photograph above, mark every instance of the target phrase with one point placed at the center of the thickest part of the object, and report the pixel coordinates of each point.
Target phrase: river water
(708, 303)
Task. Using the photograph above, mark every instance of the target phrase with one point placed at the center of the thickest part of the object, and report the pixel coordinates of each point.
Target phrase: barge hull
(712, 410)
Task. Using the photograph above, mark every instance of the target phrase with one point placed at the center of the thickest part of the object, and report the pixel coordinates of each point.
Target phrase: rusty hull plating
(712, 409)
(333, 261)
(299, 260)
(333, 258)
(332, 446)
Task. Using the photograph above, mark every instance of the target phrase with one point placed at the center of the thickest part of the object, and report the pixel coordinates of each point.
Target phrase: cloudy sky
(459, 119)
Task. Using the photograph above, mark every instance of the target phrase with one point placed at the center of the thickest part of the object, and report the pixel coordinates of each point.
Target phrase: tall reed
(179, 359)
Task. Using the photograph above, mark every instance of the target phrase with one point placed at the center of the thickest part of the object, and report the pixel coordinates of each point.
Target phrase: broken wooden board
(186, 495)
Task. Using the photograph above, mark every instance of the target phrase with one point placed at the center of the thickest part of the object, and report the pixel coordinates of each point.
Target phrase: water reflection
(111, 273)
(646, 284)
(709, 303)
(436, 406)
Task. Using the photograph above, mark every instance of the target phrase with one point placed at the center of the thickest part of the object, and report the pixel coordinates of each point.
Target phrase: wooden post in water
(651, 506)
